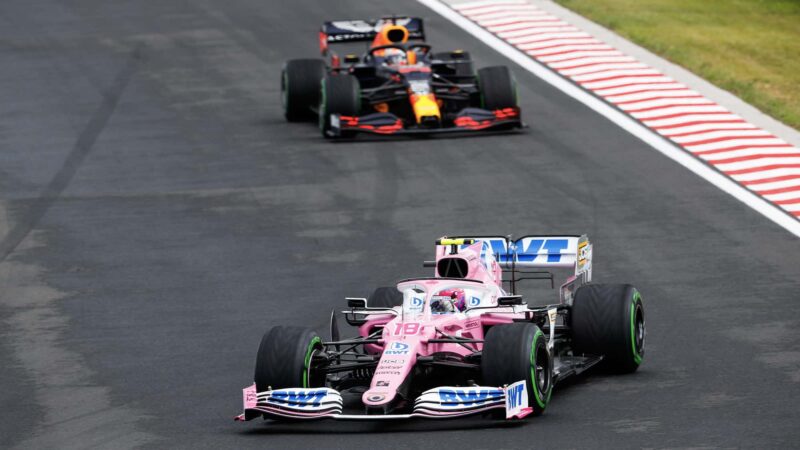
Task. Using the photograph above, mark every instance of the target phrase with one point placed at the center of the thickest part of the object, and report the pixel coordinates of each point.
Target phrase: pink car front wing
(438, 403)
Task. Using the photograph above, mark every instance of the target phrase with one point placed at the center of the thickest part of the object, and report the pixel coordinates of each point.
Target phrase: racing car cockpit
(431, 297)
(448, 301)
(392, 47)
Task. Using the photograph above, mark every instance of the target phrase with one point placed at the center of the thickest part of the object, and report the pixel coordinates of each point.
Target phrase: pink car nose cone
(396, 362)
(377, 397)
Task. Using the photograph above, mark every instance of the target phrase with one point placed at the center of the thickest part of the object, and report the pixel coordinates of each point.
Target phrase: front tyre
(498, 88)
(284, 359)
(300, 80)
(608, 320)
(516, 352)
(340, 94)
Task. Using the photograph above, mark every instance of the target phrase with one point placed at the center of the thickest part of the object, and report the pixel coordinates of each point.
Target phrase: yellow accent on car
(459, 241)
(425, 105)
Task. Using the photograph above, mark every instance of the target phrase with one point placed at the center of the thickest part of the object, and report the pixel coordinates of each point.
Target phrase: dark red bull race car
(397, 86)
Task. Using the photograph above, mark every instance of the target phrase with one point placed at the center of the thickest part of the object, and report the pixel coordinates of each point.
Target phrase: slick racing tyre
(300, 80)
(284, 359)
(385, 297)
(608, 320)
(516, 352)
(341, 94)
(497, 87)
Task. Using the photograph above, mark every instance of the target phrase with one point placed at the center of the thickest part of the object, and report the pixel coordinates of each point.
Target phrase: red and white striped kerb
(752, 157)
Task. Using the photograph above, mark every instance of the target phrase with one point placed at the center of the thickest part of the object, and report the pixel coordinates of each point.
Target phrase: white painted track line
(683, 115)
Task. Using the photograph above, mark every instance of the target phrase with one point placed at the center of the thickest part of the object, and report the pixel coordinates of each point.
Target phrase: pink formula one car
(457, 343)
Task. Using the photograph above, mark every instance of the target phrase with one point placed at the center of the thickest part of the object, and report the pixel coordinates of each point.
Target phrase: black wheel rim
(638, 331)
(316, 377)
(542, 370)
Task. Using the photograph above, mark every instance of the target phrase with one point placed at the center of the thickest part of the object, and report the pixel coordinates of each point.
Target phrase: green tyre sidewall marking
(536, 394)
(637, 299)
(307, 363)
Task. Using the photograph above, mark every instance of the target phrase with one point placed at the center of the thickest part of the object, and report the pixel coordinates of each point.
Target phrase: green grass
(748, 47)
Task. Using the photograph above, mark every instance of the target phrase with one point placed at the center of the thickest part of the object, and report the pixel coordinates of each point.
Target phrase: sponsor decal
(514, 396)
(466, 397)
(413, 304)
(393, 361)
(552, 314)
(409, 328)
(387, 372)
(250, 397)
(359, 26)
(471, 324)
(397, 348)
(382, 383)
(390, 367)
(347, 37)
(419, 87)
(297, 398)
(550, 247)
(474, 301)
(517, 400)
(583, 252)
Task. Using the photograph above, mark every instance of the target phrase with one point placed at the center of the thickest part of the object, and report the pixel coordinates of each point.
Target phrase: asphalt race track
(157, 214)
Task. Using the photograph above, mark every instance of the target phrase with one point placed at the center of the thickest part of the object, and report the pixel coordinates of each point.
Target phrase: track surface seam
(81, 149)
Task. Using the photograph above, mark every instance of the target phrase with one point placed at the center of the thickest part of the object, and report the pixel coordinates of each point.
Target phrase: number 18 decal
(409, 328)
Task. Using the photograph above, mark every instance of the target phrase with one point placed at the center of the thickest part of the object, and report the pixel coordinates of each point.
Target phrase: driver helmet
(391, 34)
(448, 301)
(395, 57)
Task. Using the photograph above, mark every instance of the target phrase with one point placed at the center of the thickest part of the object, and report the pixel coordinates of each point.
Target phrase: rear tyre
(300, 80)
(608, 320)
(385, 297)
(284, 359)
(516, 352)
(498, 88)
(340, 94)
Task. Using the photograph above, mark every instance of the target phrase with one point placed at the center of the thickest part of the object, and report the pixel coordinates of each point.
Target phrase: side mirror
(510, 300)
(356, 302)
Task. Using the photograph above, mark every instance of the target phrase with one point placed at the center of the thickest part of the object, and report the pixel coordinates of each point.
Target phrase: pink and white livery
(457, 343)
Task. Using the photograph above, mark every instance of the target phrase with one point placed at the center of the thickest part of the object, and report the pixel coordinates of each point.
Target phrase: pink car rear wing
(535, 251)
